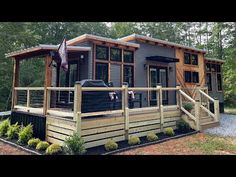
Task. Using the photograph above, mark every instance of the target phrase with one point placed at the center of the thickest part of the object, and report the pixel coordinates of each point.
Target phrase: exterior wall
(141, 74)
(181, 67)
(115, 73)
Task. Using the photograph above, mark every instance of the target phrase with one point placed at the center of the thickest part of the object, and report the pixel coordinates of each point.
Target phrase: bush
(33, 142)
(188, 106)
(42, 145)
(4, 125)
(152, 136)
(13, 130)
(25, 134)
(182, 126)
(53, 149)
(74, 145)
(111, 145)
(169, 131)
(133, 140)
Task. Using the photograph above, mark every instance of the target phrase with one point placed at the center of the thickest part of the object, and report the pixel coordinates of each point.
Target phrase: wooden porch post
(159, 87)
(77, 106)
(47, 82)
(125, 108)
(178, 87)
(15, 81)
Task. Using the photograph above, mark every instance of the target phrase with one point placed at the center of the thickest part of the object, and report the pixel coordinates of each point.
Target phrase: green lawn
(230, 110)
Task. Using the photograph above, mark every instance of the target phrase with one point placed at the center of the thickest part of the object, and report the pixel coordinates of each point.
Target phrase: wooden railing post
(208, 102)
(48, 100)
(125, 107)
(77, 106)
(216, 110)
(159, 87)
(197, 114)
(28, 98)
(178, 87)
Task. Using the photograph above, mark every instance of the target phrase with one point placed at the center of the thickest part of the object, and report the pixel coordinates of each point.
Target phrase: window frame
(193, 77)
(132, 52)
(102, 63)
(191, 59)
(185, 72)
(209, 73)
(120, 51)
(132, 66)
(221, 90)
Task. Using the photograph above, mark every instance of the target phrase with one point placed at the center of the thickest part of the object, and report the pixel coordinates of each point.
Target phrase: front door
(158, 75)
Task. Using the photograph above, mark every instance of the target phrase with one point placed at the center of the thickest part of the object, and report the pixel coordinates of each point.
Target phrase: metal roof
(137, 36)
(99, 38)
(45, 47)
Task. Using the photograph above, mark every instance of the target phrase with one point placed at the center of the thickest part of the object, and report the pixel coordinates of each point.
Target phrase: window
(219, 82)
(213, 67)
(195, 77)
(194, 59)
(102, 72)
(101, 52)
(187, 76)
(128, 56)
(129, 75)
(187, 59)
(190, 58)
(115, 54)
(208, 67)
(209, 83)
(218, 68)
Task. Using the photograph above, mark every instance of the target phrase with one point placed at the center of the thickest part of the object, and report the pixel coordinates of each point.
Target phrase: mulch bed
(123, 145)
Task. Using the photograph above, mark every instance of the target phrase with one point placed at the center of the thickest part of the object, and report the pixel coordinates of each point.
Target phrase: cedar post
(125, 107)
(216, 110)
(197, 114)
(161, 106)
(15, 82)
(178, 87)
(77, 106)
(47, 82)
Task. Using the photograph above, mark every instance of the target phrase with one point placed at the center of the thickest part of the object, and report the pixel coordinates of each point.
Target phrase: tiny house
(151, 79)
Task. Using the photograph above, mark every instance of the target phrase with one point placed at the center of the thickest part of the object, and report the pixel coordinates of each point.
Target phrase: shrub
(133, 140)
(53, 149)
(33, 142)
(13, 130)
(188, 106)
(152, 136)
(25, 134)
(74, 145)
(111, 145)
(42, 145)
(169, 131)
(182, 126)
(4, 125)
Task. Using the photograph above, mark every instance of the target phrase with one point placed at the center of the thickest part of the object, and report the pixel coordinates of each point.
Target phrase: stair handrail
(195, 117)
(216, 113)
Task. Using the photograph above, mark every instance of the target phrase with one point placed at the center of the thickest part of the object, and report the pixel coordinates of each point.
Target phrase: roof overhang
(42, 50)
(215, 60)
(158, 42)
(85, 37)
(162, 59)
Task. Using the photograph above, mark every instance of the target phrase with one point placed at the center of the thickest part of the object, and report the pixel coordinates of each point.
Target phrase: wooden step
(207, 125)
(206, 119)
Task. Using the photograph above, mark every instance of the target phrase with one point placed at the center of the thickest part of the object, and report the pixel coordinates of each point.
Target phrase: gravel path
(227, 126)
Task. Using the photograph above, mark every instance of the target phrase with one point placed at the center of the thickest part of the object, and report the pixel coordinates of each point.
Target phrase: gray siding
(115, 74)
(146, 50)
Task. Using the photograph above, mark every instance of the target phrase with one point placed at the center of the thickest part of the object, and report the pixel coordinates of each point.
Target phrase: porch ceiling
(162, 59)
(42, 50)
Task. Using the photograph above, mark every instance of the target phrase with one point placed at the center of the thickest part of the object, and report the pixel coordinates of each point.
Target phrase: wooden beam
(15, 81)
(47, 82)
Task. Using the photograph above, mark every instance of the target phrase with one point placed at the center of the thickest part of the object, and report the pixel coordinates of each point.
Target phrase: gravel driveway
(227, 126)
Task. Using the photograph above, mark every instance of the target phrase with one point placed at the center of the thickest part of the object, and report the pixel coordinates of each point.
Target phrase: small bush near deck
(4, 125)
(152, 136)
(53, 149)
(25, 134)
(188, 106)
(13, 130)
(42, 145)
(74, 145)
(111, 145)
(33, 142)
(169, 131)
(133, 140)
(182, 126)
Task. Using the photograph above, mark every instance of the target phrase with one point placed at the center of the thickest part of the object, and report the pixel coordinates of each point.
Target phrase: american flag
(62, 50)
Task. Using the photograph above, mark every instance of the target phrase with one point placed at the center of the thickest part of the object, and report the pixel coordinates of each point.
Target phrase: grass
(230, 110)
(213, 144)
